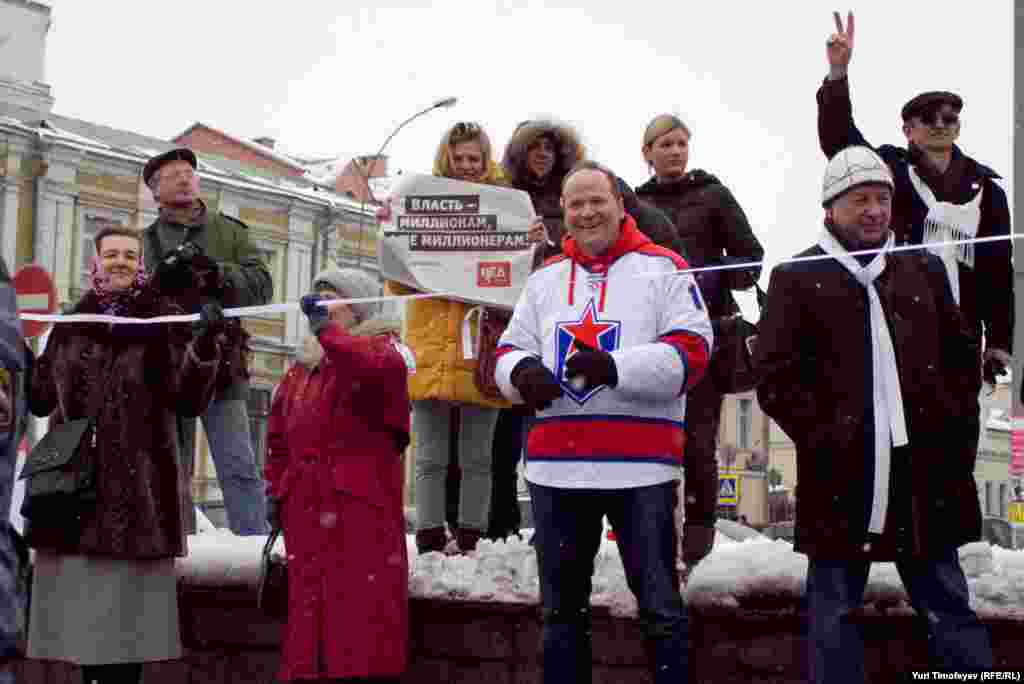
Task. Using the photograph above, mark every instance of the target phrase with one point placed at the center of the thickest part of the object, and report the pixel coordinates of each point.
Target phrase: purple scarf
(116, 302)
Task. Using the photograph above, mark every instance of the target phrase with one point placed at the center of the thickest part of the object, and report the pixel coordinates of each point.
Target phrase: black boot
(431, 539)
(467, 538)
(115, 673)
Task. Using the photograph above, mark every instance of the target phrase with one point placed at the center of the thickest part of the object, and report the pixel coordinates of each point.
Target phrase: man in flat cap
(941, 195)
(197, 255)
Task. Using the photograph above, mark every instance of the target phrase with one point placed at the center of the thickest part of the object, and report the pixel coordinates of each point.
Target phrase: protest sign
(466, 239)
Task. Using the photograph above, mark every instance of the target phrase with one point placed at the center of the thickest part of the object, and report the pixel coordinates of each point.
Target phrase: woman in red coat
(339, 425)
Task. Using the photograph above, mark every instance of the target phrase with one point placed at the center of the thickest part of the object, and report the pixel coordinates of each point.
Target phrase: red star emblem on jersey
(587, 330)
(571, 336)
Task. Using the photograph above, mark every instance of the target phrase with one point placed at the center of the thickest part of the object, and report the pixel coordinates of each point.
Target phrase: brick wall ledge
(754, 638)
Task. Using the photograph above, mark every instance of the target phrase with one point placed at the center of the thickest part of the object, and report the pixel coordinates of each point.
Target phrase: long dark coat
(147, 374)
(336, 435)
(814, 348)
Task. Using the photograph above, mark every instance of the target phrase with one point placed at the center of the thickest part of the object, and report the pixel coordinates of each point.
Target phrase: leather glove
(535, 383)
(174, 273)
(596, 367)
(274, 513)
(206, 274)
(697, 543)
(318, 315)
(210, 316)
(187, 251)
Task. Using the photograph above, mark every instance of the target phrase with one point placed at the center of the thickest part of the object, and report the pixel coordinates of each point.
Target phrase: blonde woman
(714, 230)
(447, 405)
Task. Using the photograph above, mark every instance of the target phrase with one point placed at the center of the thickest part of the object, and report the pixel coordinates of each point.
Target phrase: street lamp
(440, 104)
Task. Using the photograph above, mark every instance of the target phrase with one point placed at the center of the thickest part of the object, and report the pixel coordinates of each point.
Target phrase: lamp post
(440, 104)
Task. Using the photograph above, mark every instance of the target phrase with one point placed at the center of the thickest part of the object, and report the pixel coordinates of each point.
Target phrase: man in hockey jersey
(604, 343)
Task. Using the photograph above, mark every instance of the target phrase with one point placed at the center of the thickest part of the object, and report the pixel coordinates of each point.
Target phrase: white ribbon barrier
(243, 311)
(235, 312)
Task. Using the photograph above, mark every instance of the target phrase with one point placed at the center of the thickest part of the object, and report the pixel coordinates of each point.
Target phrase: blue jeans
(226, 422)
(568, 534)
(957, 640)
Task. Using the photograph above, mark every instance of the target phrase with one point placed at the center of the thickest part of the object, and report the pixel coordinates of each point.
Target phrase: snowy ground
(507, 572)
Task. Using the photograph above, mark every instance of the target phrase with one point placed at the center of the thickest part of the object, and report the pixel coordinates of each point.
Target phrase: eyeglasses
(933, 118)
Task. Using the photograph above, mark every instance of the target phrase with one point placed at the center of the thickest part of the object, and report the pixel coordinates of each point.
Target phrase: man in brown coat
(871, 369)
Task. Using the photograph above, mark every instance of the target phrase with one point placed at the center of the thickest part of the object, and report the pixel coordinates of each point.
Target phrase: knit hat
(351, 283)
(851, 167)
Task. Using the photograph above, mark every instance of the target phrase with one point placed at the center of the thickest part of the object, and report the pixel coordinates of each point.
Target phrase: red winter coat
(338, 427)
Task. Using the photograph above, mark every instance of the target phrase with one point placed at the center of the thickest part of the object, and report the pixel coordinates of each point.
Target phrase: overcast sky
(331, 78)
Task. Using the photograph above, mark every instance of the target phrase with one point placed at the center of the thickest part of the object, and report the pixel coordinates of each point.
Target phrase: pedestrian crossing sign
(728, 490)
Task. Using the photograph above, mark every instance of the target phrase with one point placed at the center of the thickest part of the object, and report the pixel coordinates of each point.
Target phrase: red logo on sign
(494, 274)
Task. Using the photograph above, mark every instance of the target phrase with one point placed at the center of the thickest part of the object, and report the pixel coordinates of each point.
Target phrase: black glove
(274, 513)
(206, 276)
(173, 273)
(595, 366)
(187, 251)
(535, 383)
(210, 316)
(317, 315)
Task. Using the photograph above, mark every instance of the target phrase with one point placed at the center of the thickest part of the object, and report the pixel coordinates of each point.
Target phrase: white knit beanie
(850, 167)
(351, 283)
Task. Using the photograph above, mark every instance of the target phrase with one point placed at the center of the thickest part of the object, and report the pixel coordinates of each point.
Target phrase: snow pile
(221, 559)
(738, 570)
(735, 572)
(506, 571)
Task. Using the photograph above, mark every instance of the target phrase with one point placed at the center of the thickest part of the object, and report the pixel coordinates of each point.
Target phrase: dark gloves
(274, 513)
(318, 315)
(210, 316)
(175, 270)
(535, 383)
(595, 366)
(207, 276)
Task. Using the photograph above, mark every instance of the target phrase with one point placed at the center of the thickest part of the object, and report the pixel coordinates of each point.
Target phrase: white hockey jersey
(633, 303)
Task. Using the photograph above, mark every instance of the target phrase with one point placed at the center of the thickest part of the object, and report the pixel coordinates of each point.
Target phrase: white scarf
(948, 222)
(890, 423)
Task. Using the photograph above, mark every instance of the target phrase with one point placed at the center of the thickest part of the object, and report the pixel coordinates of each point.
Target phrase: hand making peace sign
(839, 48)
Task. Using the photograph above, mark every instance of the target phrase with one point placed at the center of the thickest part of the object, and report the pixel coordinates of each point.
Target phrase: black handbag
(59, 481)
(732, 368)
(272, 590)
(60, 474)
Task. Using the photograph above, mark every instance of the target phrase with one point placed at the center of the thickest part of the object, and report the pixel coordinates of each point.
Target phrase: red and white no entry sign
(36, 294)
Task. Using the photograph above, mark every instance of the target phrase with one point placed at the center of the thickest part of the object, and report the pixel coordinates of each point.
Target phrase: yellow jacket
(433, 330)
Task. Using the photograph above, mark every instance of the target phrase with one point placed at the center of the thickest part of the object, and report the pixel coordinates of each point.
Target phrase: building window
(988, 498)
(1003, 494)
(272, 259)
(745, 418)
(259, 413)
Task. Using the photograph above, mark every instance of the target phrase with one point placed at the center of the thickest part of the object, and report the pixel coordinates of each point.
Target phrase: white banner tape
(243, 311)
(235, 312)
